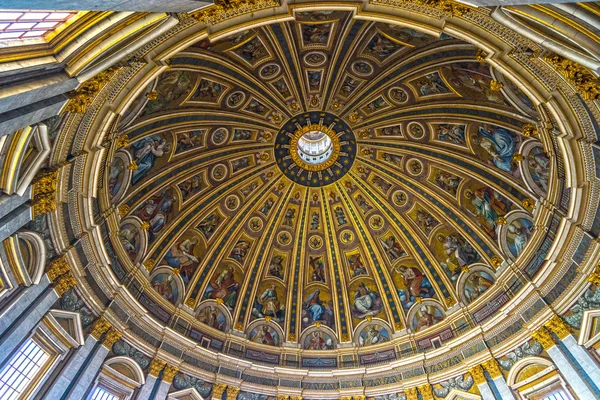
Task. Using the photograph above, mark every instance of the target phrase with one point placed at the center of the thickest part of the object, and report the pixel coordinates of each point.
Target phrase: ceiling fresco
(425, 193)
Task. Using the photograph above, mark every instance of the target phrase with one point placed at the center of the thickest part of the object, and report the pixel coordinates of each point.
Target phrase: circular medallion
(399, 198)
(284, 238)
(256, 224)
(398, 95)
(270, 71)
(315, 242)
(315, 149)
(219, 172)
(235, 99)
(346, 236)
(232, 202)
(376, 222)
(219, 136)
(416, 130)
(315, 58)
(362, 68)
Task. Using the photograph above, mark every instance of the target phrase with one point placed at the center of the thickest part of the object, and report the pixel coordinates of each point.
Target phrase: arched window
(118, 380)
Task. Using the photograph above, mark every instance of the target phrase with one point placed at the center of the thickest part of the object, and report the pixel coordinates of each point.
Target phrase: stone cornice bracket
(57, 267)
(544, 337)
(81, 98)
(584, 81)
(111, 337)
(99, 327)
(411, 394)
(451, 8)
(594, 277)
(558, 325)
(225, 9)
(232, 392)
(493, 368)
(426, 392)
(44, 192)
(218, 389)
(477, 374)
(169, 373)
(156, 366)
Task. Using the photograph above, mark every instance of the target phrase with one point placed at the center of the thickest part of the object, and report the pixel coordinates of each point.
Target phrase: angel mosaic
(488, 205)
(189, 140)
(252, 51)
(317, 268)
(447, 182)
(499, 147)
(267, 303)
(224, 285)
(145, 153)
(156, 211)
(451, 133)
(431, 84)
(276, 266)
(459, 253)
(164, 284)
(392, 248)
(209, 225)
(240, 250)
(415, 285)
(356, 265)
(365, 302)
(316, 33)
(426, 221)
(317, 308)
(381, 47)
(183, 257)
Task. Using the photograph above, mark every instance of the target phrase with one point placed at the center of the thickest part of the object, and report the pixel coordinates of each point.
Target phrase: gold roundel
(335, 147)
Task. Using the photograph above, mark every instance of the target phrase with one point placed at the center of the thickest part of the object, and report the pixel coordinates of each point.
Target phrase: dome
(330, 193)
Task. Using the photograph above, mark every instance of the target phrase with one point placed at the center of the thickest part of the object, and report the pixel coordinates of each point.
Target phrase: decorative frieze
(586, 83)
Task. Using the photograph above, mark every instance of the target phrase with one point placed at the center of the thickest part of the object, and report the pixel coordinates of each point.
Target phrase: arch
(26, 153)
(118, 363)
(456, 394)
(188, 394)
(523, 363)
(27, 260)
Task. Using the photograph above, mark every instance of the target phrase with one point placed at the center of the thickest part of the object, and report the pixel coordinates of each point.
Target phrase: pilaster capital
(282, 397)
(57, 267)
(594, 278)
(411, 394)
(64, 282)
(99, 327)
(232, 392)
(493, 368)
(156, 366)
(361, 397)
(477, 374)
(169, 373)
(295, 397)
(544, 337)
(426, 392)
(111, 338)
(217, 390)
(558, 326)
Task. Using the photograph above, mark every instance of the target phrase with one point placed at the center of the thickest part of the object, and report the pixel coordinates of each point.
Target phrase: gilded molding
(449, 7)
(493, 368)
(223, 10)
(218, 389)
(111, 338)
(64, 283)
(155, 367)
(586, 83)
(81, 98)
(544, 337)
(99, 327)
(412, 394)
(426, 392)
(169, 373)
(558, 326)
(477, 374)
(44, 192)
(232, 392)
(57, 267)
